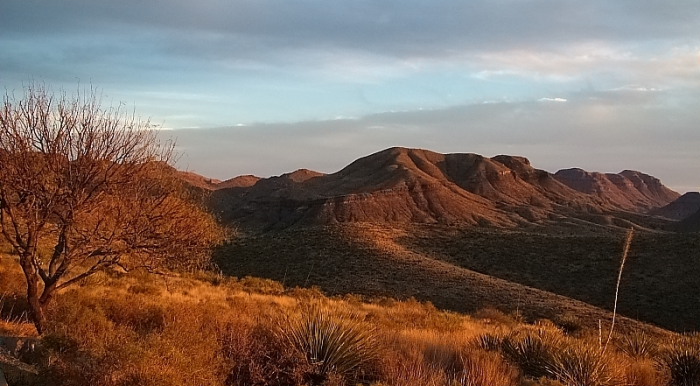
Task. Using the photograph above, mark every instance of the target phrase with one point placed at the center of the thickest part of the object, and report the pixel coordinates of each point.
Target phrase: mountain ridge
(402, 185)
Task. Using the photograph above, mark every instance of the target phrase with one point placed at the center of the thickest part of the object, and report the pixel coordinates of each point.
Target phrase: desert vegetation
(107, 277)
(208, 329)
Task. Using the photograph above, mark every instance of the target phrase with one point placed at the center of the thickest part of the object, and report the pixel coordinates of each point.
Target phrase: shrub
(255, 357)
(489, 342)
(499, 317)
(260, 285)
(642, 372)
(478, 368)
(330, 345)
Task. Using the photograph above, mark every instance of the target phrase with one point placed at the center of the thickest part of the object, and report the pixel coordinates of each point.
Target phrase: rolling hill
(466, 232)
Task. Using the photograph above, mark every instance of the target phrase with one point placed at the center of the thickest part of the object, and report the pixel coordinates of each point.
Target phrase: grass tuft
(636, 344)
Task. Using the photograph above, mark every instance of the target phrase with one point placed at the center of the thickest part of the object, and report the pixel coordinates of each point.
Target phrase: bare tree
(84, 188)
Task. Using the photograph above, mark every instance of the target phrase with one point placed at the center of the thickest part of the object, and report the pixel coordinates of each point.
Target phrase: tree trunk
(36, 308)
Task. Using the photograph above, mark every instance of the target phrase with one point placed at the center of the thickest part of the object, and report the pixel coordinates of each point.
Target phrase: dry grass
(207, 329)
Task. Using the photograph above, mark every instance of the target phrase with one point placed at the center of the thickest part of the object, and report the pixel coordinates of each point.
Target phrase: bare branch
(93, 185)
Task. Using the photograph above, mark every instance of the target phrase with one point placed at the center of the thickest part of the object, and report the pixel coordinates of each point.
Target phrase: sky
(265, 87)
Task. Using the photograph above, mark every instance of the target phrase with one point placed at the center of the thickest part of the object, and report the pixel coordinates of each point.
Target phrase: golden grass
(205, 329)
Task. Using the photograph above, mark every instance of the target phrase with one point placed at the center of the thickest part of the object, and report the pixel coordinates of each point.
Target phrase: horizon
(223, 178)
(269, 87)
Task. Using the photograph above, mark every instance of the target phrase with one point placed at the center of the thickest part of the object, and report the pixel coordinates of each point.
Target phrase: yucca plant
(636, 345)
(489, 342)
(682, 365)
(580, 365)
(533, 353)
(330, 345)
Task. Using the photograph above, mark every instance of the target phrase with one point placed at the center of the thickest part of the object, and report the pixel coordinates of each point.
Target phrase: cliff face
(400, 185)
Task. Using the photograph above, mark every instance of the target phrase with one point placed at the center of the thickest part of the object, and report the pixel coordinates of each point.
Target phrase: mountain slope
(552, 274)
(690, 223)
(400, 223)
(366, 259)
(402, 186)
(628, 190)
(681, 208)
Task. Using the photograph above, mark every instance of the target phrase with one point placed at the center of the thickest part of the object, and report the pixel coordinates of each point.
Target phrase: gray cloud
(393, 28)
(599, 132)
(628, 70)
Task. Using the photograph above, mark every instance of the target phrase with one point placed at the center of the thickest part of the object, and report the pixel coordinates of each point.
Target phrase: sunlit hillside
(207, 329)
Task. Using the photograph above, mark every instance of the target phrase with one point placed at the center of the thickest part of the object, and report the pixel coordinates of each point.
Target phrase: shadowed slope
(377, 261)
(690, 224)
(685, 206)
(658, 285)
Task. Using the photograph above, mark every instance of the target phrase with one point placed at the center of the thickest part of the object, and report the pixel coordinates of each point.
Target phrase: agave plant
(329, 344)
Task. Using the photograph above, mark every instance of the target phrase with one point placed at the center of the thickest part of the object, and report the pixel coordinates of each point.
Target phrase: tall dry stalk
(625, 253)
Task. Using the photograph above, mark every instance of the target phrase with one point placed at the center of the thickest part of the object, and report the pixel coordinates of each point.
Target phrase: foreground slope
(209, 330)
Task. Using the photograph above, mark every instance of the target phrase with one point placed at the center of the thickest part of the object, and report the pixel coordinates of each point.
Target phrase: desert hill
(195, 179)
(681, 208)
(378, 261)
(401, 186)
(690, 223)
(557, 275)
(238, 182)
(564, 275)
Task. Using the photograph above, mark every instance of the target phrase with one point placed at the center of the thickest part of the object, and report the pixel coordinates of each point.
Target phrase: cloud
(267, 31)
(627, 71)
(585, 132)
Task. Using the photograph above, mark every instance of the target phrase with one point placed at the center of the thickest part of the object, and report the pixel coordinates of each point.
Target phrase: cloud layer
(598, 133)
(614, 80)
